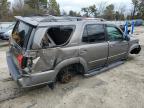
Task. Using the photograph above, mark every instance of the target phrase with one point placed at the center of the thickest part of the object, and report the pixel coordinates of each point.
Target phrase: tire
(65, 75)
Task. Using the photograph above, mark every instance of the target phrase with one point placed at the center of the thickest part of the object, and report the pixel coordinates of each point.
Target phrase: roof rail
(63, 18)
(98, 19)
(51, 18)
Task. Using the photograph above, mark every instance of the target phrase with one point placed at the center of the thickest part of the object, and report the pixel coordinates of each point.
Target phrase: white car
(6, 35)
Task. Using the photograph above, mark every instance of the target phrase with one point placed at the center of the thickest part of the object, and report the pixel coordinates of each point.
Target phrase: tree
(120, 12)
(26, 11)
(73, 13)
(141, 8)
(32, 3)
(93, 10)
(138, 9)
(54, 8)
(36, 5)
(28, 8)
(43, 1)
(4, 9)
(18, 4)
(90, 11)
(86, 11)
(0, 9)
(135, 8)
(117, 15)
(109, 12)
(101, 7)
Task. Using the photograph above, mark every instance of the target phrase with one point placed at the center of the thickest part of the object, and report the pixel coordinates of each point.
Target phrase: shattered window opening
(60, 34)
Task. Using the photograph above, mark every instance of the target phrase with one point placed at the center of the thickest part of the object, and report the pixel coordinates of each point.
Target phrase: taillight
(24, 61)
(20, 60)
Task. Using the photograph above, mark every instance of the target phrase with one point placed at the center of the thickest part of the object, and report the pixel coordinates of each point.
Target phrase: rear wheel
(65, 75)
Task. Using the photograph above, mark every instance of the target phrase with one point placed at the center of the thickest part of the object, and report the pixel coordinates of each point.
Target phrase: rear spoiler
(27, 20)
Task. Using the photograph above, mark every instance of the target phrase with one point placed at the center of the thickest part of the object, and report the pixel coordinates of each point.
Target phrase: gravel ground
(121, 87)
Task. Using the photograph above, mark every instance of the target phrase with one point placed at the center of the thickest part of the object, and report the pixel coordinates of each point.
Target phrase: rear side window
(60, 34)
(21, 33)
(94, 33)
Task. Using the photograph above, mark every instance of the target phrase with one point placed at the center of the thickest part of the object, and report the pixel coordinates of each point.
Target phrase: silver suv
(45, 49)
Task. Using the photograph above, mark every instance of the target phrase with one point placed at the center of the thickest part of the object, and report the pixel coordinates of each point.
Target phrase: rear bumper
(29, 80)
(37, 79)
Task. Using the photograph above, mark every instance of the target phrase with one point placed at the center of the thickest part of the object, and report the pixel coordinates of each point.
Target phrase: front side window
(93, 33)
(114, 34)
(21, 33)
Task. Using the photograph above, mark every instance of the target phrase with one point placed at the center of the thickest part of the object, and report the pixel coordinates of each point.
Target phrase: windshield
(21, 33)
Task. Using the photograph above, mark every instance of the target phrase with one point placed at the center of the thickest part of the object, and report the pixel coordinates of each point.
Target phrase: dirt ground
(121, 87)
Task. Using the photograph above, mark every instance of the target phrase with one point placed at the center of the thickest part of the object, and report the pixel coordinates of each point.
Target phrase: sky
(76, 5)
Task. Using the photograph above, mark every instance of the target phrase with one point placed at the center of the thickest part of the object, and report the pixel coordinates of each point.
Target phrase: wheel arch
(133, 47)
(70, 61)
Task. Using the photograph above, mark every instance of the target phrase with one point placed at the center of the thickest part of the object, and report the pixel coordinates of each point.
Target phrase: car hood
(8, 32)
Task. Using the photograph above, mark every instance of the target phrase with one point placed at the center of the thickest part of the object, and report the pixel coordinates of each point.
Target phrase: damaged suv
(44, 49)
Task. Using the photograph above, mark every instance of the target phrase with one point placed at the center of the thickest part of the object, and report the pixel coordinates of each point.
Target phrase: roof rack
(35, 20)
(50, 18)
(68, 18)
(63, 18)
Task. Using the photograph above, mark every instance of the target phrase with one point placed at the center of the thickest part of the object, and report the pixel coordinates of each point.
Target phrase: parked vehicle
(138, 22)
(2, 31)
(46, 49)
(5, 33)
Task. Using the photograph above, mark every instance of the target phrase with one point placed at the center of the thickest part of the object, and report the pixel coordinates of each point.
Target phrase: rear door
(51, 41)
(118, 47)
(94, 47)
